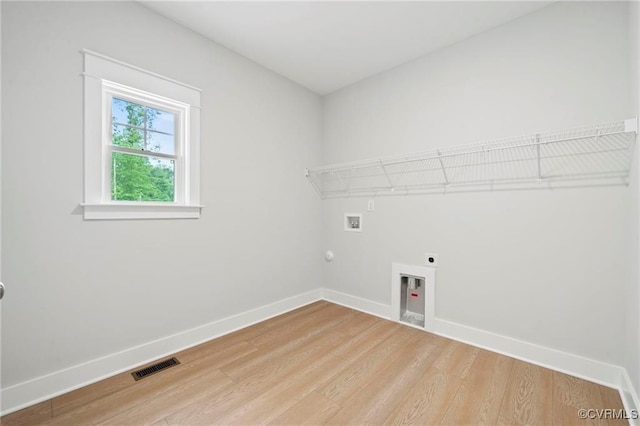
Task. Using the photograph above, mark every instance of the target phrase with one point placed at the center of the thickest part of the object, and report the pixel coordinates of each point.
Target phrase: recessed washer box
(416, 284)
(353, 222)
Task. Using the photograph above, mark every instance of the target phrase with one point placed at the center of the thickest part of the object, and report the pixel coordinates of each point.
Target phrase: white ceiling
(325, 46)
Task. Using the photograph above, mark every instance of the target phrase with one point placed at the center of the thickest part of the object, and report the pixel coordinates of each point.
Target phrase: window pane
(127, 136)
(159, 142)
(127, 112)
(161, 121)
(141, 178)
(118, 111)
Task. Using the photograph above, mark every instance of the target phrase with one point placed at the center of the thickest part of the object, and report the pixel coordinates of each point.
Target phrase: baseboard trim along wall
(367, 306)
(60, 382)
(42, 388)
(595, 371)
(629, 396)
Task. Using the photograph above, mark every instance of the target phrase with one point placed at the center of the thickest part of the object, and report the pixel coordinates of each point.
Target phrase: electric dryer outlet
(431, 259)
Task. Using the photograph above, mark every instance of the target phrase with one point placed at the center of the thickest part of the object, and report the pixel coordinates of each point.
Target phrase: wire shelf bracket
(587, 156)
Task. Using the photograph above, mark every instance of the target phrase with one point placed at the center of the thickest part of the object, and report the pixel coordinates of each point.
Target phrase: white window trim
(103, 77)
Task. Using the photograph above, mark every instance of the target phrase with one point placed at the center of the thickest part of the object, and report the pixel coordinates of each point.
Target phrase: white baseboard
(357, 303)
(51, 385)
(574, 365)
(629, 397)
(564, 362)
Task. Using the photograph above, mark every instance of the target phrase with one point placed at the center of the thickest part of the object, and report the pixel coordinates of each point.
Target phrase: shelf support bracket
(538, 154)
(384, 170)
(316, 187)
(444, 171)
(631, 125)
(346, 188)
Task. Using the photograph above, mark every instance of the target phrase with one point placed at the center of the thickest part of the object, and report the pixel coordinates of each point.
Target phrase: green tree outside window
(142, 177)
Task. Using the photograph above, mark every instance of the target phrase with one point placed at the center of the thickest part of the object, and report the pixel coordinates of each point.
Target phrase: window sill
(139, 211)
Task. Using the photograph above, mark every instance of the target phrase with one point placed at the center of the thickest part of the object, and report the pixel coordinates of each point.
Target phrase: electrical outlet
(370, 206)
(431, 259)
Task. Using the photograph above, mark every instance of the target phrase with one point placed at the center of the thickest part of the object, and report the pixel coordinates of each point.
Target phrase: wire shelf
(586, 156)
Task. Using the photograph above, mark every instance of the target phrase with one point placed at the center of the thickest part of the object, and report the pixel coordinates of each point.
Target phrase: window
(144, 157)
(141, 143)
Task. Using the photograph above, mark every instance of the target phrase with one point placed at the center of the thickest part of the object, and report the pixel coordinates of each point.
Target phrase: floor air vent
(155, 368)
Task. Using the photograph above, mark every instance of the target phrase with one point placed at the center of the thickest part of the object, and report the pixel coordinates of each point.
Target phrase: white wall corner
(367, 306)
(57, 383)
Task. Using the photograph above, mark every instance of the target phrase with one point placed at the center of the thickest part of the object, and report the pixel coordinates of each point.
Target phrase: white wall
(79, 290)
(632, 337)
(547, 267)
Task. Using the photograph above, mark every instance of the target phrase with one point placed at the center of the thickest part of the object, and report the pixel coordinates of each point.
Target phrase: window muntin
(142, 127)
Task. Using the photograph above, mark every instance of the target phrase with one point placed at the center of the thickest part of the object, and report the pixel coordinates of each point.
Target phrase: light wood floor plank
(353, 347)
(36, 414)
(360, 323)
(457, 358)
(313, 409)
(167, 401)
(87, 394)
(427, 401)
(376, 401)
(222, 343)
(611, 400)
(285, 394)
(575, 392)
(266, 360)
(571, 394)
(306, 324)
(528, 397)
(479, 398)
(253, 384)
(360, 371)
(566, 415)
(138, 392)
